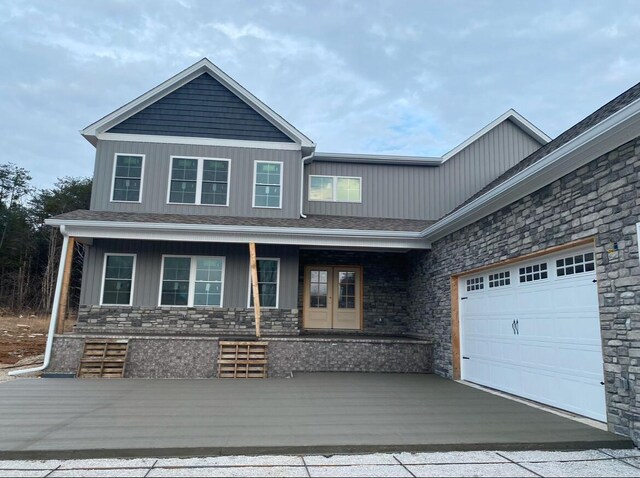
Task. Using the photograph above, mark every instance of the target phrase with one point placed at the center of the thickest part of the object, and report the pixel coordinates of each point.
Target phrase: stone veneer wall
(385, 307)
(196, 357)
(193, 320)
(601, 200)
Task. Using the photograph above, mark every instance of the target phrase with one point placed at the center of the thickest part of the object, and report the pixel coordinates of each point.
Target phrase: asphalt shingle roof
(312, 221)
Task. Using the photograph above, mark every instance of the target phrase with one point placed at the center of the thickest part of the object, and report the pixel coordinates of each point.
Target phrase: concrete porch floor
(311, 413)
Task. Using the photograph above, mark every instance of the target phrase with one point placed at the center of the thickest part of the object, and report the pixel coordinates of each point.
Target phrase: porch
(311, 413)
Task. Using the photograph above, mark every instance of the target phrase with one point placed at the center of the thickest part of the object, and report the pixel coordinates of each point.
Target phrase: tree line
(30, 250)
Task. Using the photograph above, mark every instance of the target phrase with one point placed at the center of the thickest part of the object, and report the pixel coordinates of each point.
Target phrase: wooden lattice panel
(242, 359)
(103, 359)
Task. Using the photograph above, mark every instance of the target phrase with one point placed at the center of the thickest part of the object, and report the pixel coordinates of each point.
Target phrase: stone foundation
(196, 357)
(192, 320)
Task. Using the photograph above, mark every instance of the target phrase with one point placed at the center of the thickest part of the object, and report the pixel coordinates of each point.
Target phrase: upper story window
(127, 177)
(192, 281)
(203, 181)
(335, 188)
(267, 184)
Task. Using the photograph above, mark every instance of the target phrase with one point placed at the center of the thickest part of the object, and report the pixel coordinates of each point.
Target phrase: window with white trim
(127, 177)
(267, 187)
(268, 282)
(575, 264)
(533, 272)
(475, 283)
(192, 281)
(335, 188)
(117, 279)
(499, 279)
(203, 181)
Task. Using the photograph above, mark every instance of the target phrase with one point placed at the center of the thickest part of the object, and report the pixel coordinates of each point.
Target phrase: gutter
(304, 160)
(303, 231)
(54, 311)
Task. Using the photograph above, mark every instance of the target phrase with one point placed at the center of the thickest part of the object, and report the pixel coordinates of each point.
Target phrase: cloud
(382, 76)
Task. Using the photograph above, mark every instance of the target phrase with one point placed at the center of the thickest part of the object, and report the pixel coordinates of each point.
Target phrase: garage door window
(575, 264)
(499, 279)
(534, 272)
(477, 283)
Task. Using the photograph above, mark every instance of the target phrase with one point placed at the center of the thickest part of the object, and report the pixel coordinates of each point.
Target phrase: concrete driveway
(311, 413)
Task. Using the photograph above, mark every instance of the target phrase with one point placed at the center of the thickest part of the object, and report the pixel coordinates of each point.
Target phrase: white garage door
(532, 329)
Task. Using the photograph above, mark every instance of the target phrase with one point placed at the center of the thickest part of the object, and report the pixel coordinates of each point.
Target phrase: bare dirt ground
(22, 341)
(21, 337)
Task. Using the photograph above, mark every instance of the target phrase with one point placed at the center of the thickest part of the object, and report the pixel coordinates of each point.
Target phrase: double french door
(332, 297)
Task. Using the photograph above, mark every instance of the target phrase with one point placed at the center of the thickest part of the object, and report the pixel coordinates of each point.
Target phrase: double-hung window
(267, 184)
(127, 177)
(117, 279)
(268, 282)
(203, 181)
(335, 188)
(192, 281)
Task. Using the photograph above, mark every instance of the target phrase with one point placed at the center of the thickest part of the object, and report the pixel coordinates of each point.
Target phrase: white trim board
(203, 66)
(228, 143)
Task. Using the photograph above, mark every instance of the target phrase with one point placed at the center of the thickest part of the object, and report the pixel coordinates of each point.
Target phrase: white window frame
(480, 282)
(133, 277)
(113, 177)
(192, 280)
(255, 177)
(277, 259)
(335, 188)
(199, 175)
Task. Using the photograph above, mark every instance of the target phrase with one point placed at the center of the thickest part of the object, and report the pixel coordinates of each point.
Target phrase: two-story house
(510, 261)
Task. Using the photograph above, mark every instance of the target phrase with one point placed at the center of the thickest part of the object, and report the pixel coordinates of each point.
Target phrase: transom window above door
(203, 181)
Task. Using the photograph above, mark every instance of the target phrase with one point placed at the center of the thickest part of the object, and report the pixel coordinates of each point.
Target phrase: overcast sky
(387, 77)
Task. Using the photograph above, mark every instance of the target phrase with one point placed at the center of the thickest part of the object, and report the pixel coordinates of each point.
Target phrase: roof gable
(201, 101)
(202, 108)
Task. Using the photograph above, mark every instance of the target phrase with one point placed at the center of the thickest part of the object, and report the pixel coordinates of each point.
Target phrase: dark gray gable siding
(202, 108)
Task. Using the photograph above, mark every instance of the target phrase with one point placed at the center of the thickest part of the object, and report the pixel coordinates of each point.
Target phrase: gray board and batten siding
(425, 192)
(149, 263)
(202, 108)
(157, 166)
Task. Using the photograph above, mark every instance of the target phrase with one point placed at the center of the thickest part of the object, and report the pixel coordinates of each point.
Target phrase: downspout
(54, 311)
(304, 160)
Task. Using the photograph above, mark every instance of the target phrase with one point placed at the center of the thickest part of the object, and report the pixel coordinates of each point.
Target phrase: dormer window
(267, 184)
(202, 181)
(127, 178)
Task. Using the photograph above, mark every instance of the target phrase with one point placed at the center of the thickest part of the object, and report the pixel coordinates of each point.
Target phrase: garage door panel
(554, 355)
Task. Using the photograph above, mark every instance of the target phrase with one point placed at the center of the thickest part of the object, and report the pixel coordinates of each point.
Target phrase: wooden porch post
(66, 279)
(254, 285)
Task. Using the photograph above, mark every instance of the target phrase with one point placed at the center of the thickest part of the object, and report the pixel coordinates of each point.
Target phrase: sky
(358, 76)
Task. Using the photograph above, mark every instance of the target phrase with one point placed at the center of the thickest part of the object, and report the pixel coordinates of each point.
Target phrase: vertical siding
(156, 179)
(426, 192)
(149, 263)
